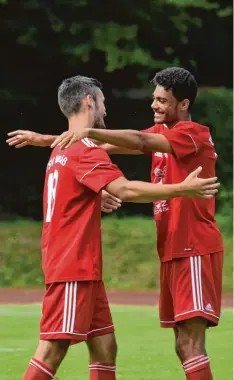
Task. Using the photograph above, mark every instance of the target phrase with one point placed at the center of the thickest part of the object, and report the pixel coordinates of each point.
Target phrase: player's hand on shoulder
(200, 187)
(109, 202)
(66, 139)
(21, 138)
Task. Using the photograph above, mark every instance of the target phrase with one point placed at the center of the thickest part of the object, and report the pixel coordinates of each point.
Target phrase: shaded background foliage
(122, 44)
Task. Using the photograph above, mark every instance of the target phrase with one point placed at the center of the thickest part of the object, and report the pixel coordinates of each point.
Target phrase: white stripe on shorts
(69, 314)
(196, 280)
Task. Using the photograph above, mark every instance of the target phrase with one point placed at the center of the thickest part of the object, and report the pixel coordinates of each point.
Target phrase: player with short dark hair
(179, 81)
(75, 307)
(188, 239)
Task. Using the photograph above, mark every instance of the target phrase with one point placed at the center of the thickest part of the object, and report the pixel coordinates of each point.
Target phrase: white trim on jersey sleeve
(90, 171)
(88, 142)
(196, 148)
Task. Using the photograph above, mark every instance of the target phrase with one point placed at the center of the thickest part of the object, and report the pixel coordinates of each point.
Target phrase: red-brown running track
(118, 297)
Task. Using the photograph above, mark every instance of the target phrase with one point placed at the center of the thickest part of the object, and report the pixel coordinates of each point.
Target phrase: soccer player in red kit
(75, 306)
(188, 240)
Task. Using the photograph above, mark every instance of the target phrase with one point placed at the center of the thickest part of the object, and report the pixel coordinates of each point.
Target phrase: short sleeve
(184, 140)
(150, 130)
(95, 169)
(154, 129)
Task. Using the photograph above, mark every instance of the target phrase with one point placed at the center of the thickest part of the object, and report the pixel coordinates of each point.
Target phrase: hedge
(214, 108)
(129, 248)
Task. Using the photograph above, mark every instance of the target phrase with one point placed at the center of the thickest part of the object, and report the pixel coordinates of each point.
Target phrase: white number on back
(51, 194)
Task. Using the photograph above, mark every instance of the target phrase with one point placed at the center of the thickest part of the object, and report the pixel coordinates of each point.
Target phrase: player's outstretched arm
(66, 139)
(22, 138)
(133, 141)
(143, 192)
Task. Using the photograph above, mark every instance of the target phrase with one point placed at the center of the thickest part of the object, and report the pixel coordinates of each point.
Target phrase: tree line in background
(122, 44)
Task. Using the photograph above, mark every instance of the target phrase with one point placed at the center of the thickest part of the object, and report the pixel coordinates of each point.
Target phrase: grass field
(145, 351)
(129, 253)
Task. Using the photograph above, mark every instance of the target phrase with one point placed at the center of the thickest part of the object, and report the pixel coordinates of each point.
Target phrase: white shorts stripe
(200, 280)
(74, 307)
(196, 280)
(193, 283)
(69, 306)
(65, 306)
(69, 314)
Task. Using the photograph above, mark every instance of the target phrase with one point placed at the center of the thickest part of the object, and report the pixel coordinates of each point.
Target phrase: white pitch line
(10, 349)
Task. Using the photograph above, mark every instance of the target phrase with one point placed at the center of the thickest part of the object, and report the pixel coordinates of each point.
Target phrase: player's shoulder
(84, 147)
(89, 150)
(78, 150)
(160, 128)
(156, 128)
(192, 126)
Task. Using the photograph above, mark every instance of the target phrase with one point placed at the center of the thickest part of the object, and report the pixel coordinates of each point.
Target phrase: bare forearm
(143, 192)
(128, 138)
(132, 140)
(113, 149)
(47, 140)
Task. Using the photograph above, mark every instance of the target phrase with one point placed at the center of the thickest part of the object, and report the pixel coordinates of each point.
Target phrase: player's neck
(80, 120)
(171, 125)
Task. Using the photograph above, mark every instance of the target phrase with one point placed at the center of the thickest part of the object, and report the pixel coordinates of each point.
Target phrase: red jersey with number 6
(185, 226)
(71, 236)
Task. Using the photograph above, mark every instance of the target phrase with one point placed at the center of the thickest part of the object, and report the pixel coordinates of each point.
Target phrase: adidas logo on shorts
(208, 307)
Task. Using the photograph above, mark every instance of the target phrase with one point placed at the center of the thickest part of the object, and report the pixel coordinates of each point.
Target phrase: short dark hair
(73, 90)
(181, 82)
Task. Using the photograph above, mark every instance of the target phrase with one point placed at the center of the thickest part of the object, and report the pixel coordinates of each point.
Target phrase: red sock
(102, 371)
(198, 368)
(38, 371)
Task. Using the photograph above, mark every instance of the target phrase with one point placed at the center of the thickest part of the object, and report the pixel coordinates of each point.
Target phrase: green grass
(145, 350)
(129, 253)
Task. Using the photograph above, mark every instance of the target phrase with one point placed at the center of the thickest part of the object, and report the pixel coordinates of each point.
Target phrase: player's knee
(52, 352)
(177, 349)
(191, 339)
(103, 349)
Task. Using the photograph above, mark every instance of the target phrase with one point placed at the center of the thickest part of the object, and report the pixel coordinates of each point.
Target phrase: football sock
(38, 371)
(102, 371)
(198, 368)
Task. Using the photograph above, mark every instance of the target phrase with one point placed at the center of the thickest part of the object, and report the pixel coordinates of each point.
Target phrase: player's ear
(90, 101)
(184, 105)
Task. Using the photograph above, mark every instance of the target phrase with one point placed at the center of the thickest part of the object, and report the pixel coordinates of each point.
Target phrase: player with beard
(71, 233)
(75, 306)
(189, 242)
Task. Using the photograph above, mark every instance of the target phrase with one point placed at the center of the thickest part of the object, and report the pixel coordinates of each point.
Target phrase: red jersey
(71, 237)
(185, 226)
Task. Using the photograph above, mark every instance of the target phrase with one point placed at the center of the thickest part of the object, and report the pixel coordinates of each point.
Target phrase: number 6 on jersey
(51, 194)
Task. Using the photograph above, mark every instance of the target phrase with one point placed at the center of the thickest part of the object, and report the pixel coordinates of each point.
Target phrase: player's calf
(102, 352)
(191, 347)
(48, 357)
(176, 345)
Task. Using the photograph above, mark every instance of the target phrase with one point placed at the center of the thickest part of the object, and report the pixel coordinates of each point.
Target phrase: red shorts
(191, 287)
(75, 310)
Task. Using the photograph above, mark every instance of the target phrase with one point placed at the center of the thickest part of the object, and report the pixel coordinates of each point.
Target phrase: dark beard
(99, 124)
